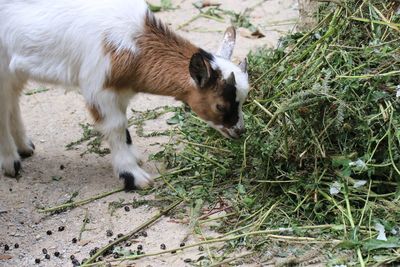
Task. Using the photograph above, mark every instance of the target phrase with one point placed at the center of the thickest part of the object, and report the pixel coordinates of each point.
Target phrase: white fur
(62, 42)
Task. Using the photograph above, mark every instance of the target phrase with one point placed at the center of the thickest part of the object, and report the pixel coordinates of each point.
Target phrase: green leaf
(373, 244)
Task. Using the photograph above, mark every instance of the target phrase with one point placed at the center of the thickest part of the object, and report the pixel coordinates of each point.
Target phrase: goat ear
(231, 79)
(243, 65)
(199, 69)
(228, 43)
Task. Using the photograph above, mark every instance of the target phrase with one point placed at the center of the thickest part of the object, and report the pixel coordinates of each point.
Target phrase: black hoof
(25, 154)
(129, 180)
(17, 169)
(28, 153)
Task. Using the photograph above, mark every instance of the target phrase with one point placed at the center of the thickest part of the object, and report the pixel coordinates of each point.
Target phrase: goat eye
(220, 108)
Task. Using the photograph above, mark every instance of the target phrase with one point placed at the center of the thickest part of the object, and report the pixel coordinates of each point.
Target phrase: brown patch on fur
(161, 66)
(213, 97)
(123, 67)
(95, 114)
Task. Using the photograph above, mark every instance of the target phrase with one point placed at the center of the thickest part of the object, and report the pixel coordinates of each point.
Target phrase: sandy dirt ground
(52, 119)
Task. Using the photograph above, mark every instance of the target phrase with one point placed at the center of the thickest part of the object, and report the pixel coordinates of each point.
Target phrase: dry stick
(232, 259)
(80, 203)
(131, 233)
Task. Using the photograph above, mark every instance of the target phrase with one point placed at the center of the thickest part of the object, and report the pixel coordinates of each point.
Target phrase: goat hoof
(135, 179)
(129, 180)
(12, 170)
(28, 151)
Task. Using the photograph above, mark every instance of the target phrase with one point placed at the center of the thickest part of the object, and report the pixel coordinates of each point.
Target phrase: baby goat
(111, 50)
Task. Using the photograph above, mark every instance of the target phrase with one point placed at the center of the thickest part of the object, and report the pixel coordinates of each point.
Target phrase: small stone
(44, 251)
(49, 232)
(163, 246)
(109, 233)
(139, 247)
(120, 235)
(37, 261)
(201, 248)
(126, 208)
(75, 262)
(128, 244)
(16, 245)
(57, 254)
(6, 247)
(72, 257)
(62, 167)
(182, 244)
(61, 228)
(74, 240)
(47, 256)
(144, 234)
(188, 260)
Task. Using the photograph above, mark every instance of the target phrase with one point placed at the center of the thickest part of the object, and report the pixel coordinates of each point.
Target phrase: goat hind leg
(24, 144)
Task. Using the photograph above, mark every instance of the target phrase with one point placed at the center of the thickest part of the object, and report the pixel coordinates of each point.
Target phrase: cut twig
(75, 204)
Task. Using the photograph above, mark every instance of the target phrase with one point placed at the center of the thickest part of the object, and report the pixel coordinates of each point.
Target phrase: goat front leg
(109, 111)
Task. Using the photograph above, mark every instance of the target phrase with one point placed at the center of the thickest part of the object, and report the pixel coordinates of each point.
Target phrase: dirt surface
(54, 173)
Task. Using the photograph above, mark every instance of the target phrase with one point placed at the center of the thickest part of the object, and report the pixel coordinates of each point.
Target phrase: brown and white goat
(111, 50)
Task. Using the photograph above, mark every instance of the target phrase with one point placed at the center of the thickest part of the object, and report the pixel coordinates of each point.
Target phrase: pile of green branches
(323, 139)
